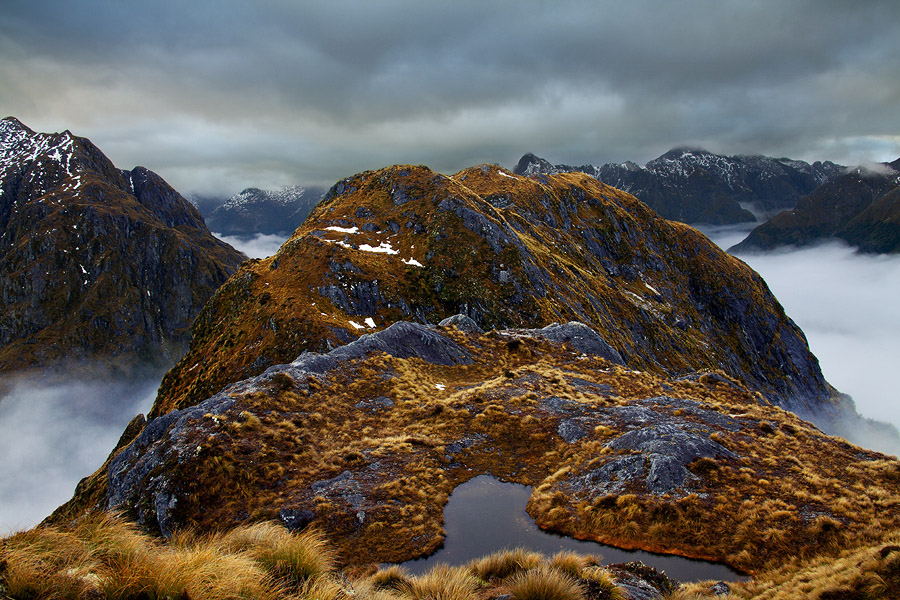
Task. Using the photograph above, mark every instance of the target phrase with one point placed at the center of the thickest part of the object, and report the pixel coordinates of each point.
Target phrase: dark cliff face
(696, 186)
(256, 211)
(860, 207)
(405, 243)
(98, 264)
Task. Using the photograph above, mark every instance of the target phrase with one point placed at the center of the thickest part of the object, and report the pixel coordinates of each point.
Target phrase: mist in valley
(53, 433)
(258, 246)
(846, 304)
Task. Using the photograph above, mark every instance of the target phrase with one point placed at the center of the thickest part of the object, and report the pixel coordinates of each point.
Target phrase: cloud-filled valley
(845, 303)
(53, 433)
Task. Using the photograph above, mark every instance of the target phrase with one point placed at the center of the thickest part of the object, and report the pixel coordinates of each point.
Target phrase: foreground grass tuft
(441, 583)
(504, 563)
(545, 583)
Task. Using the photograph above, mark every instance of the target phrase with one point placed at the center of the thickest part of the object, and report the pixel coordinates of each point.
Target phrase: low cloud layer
(846, 304)
(53, 434)
(219, 96)
(258, 246)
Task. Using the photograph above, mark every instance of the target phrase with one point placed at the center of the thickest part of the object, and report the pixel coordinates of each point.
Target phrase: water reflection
(484, 515)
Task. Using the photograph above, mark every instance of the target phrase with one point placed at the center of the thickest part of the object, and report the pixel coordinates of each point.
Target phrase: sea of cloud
(846, 304)
(257, 246)
(53, 433)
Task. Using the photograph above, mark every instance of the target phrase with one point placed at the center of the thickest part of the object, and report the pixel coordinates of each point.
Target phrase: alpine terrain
(255, 211)
(860, 207)
(97, 265)
(419, 330)
(699, 187)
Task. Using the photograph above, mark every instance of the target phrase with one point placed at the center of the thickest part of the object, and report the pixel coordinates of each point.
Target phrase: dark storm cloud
(275, 93)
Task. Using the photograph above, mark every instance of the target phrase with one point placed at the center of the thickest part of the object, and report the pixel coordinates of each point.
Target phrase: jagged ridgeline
(406, 243)
(96, 263)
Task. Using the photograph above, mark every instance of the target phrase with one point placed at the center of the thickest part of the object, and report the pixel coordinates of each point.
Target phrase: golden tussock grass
(443, 582)
(503, 563)
(545, 583)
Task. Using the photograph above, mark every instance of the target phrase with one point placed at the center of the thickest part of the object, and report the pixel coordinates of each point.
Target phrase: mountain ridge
(68, 217)
(272, 212)
(860, 207)
(384, 246)
(693, 185)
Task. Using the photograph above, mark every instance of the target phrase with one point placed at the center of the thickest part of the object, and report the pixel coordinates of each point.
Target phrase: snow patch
(370, 322)
(353, 229)
(383, 247)
(357, 325)
(412, 262)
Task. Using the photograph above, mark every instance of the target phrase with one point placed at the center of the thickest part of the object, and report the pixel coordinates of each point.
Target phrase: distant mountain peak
(694, 185)
(680, 151)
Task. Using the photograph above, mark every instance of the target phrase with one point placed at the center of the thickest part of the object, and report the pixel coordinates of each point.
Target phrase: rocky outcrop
(860, 207)
(696, 186)
(96, 264)
(367, 442)
(272, 212)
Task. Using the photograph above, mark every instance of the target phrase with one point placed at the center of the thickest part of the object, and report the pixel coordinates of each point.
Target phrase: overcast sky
(219, 95)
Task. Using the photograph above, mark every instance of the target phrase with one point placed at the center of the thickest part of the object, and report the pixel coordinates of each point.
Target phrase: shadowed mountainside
(96, 263)
(696, 186)
(860, 207)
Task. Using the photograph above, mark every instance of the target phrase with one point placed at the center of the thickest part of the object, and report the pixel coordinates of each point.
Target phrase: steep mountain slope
(255, 211)
(405, 243)
(96, 263)
(696, 186)
(859, 207)
(367, 442)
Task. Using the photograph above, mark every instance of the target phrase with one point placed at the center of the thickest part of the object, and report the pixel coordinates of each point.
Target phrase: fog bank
(52, 434)
(259, 246)
(846, 304)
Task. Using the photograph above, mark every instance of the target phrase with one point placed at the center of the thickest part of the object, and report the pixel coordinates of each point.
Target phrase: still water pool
(484, 515)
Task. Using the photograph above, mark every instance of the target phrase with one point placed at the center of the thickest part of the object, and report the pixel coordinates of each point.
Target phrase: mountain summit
(96, 263)
(255, 211)
(696, 186)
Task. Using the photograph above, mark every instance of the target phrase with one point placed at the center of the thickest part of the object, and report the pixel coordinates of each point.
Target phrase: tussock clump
(600, 583)
(504, 563)
(441, 583)
(295, 558)
(545, 583)
(393, 577)
(571, 563)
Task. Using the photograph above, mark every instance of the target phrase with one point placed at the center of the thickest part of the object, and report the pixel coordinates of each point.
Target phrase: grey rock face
(579, 336)
(402, 339)
(463, 323)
